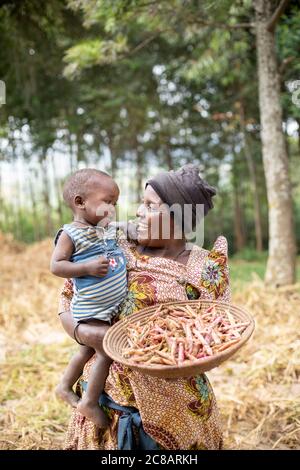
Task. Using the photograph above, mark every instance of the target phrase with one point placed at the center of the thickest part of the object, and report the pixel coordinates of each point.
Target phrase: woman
(167, 414)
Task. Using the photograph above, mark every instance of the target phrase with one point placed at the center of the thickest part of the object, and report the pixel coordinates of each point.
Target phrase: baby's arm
(60, 262)
(62, 266)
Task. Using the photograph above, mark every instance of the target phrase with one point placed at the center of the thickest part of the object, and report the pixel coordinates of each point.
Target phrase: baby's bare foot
(94, 413)
(66, 394)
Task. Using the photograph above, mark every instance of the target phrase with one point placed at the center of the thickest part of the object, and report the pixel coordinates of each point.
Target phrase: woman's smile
(142, 226)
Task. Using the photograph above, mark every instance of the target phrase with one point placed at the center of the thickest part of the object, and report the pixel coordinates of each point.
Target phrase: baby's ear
(79, 202)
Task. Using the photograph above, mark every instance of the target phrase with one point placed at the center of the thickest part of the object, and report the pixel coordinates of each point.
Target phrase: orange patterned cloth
(176, 413)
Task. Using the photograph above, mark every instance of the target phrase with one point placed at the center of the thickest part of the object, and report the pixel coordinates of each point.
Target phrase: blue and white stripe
(97, 297)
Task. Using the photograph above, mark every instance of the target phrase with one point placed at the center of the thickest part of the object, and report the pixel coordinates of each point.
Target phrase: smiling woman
(167, 414)
(156, 227)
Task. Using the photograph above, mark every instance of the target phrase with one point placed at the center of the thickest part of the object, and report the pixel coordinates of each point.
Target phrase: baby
(87, 251)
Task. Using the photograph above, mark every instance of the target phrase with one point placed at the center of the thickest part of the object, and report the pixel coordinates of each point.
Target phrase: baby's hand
(97, 267)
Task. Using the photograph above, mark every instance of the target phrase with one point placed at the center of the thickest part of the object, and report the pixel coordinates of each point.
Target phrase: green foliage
(92, 52)
(139, 85)
(249, 254)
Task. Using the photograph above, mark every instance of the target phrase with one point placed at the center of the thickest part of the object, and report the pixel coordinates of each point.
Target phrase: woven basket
(115, 341)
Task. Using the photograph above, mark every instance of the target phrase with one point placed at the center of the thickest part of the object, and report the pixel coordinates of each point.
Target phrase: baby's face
(101, 201)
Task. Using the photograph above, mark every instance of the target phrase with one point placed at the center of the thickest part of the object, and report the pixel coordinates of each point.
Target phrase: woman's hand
(128, 228)
(97, 267)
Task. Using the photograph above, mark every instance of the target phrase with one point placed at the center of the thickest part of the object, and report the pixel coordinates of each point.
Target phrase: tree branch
(285, 63)
(224, 25)
(146, 41)
(277, 14)
(157, 33)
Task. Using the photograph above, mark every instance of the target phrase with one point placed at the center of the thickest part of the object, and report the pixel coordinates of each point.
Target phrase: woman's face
(155, 226)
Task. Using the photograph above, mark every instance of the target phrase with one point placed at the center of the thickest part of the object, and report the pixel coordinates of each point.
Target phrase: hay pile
(30, 415)
(9, 244)
(28, 291)
(258, 392)
(33, 349)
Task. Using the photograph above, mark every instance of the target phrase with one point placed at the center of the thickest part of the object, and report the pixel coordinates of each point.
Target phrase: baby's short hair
(76, 184)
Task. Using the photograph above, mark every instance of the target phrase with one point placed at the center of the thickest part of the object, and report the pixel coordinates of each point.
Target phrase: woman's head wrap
(184, 187)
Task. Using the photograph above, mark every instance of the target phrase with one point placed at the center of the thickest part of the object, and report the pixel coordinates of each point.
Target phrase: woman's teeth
(142, 226)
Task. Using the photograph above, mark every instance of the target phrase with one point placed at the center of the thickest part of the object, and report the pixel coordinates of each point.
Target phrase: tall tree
(281, 266)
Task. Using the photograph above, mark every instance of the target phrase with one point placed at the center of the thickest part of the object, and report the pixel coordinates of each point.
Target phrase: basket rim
(164, 370)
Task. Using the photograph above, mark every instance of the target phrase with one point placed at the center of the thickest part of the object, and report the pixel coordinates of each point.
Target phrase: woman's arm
(128, 229)
(66, 296)
(64, 307)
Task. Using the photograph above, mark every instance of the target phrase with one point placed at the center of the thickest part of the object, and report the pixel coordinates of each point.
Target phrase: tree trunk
(46, 193)
(58, 190)
(19, 224)
(1, 191)
(113, 163)
(239, 232)
(282, 248)
(253, 178)
(169, 159)
(139, 173)
(73, 153)
(298, 122)
(238, 224)
(257, 210)
(36, 225)
(113, 157)
(80, 154)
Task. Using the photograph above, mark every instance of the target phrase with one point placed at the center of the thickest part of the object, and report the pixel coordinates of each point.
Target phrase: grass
(257, 392)
(244, 271)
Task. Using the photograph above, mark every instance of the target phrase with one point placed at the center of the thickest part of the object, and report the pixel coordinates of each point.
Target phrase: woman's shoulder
(211, 270)
(219, 246)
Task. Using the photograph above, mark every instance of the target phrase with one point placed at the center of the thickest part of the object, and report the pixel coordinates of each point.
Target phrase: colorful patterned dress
(176, 413)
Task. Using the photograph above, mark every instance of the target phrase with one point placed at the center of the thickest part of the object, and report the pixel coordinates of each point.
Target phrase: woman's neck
(172, 250)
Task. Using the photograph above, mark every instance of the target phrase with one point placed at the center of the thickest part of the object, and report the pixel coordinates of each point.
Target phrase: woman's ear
(79, 202)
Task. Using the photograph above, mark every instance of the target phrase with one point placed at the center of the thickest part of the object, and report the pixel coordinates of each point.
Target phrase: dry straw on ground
(258, 391)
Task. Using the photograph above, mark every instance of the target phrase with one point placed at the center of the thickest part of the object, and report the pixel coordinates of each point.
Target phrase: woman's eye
(150, 206)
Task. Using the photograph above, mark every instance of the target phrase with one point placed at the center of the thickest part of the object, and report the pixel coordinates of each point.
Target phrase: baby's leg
(64, 390)
(89, 406)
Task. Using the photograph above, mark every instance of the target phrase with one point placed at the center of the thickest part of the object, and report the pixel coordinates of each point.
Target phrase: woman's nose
(112, 209)
(140, 211)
